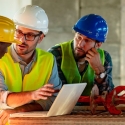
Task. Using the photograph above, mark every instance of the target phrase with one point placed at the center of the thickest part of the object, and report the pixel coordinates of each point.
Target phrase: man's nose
(81, 43)
(22, 39)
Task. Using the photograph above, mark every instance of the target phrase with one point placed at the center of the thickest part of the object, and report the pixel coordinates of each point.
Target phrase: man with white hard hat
(28, 76)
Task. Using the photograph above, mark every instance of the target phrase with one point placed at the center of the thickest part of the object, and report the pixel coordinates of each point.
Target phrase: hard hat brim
(17, 41)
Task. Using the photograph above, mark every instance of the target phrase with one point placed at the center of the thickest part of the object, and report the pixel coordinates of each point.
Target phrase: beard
(78, 55)
(23, 49)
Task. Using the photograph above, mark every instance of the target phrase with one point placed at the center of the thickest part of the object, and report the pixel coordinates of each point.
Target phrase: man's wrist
(100, 70)
(101, 75)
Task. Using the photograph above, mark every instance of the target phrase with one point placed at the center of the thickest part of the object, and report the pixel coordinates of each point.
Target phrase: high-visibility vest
(38, 76)
(70, 69)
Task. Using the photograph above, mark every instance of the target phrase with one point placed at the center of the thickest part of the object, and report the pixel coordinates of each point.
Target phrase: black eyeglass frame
(25, 35)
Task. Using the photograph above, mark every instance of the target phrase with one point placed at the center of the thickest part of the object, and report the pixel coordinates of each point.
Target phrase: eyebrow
(85, 36)
(28, 32)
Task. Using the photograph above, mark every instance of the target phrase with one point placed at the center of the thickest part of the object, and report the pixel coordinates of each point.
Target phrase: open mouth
(22, 46)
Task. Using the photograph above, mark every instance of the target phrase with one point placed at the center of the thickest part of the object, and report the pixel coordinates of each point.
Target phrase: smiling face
(28, 44)
(82, 44)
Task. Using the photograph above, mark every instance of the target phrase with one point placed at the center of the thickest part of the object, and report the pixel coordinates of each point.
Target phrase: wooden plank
(76, 118)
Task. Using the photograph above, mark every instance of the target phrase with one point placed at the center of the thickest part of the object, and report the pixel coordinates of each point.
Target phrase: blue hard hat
(93, 26)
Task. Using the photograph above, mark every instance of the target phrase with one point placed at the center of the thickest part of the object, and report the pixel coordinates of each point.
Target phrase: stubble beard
(78, 55)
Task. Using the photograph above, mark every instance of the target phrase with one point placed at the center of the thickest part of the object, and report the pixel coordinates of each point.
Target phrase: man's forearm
(29, 107)
(18, 99)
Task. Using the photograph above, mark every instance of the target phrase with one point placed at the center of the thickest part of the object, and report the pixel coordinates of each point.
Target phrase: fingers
(1, 111)
(44, 92)
(48, 85)
(3, 118)
(47, 89)
(5, 114)
(89, 55)
(92, 52)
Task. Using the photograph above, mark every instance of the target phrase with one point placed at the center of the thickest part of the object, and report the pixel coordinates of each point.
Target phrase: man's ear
(41, 38)
(98, 45)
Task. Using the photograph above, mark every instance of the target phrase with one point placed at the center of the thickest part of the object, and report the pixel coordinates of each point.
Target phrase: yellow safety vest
(38, 76)
(70, 69)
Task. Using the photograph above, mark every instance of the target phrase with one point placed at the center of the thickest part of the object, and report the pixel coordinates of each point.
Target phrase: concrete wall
(64, 13)
(9, 7)
(122, 44)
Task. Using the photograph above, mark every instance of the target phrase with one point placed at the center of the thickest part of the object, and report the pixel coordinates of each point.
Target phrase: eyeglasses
(28, 36)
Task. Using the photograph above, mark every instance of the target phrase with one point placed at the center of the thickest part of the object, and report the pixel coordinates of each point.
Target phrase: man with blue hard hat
(82, 59)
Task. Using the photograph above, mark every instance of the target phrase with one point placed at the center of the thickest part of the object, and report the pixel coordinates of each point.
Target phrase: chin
(20, 52)
(79, 56)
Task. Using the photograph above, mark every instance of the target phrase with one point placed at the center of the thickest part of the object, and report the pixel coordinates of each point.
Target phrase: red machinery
(109, 100)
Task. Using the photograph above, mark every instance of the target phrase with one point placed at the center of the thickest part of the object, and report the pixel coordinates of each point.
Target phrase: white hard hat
(32, 17)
